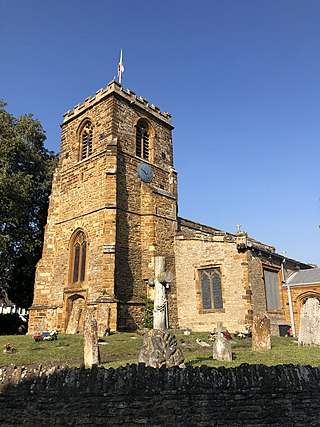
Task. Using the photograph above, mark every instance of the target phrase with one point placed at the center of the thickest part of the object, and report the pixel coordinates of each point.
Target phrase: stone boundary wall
(249, 395)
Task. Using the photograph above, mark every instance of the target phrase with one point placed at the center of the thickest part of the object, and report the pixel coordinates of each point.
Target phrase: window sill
(275, 311)
(222, 310)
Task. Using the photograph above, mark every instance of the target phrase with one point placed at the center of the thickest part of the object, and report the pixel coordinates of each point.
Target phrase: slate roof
(304, 277)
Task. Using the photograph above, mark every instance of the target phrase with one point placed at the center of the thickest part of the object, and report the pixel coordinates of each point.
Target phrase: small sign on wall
(109, 248)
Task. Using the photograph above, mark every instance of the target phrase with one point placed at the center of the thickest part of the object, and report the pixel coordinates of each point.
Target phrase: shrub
(12, 324)
(148, 314)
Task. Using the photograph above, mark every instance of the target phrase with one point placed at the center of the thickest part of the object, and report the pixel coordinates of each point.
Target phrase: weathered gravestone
(90, 340)
(73, 324)
(309, 331)
(261, 332)
(103, 314)
(221, 349)
(160, 348)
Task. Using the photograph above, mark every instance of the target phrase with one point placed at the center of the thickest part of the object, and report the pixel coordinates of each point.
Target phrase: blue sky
(240, 78)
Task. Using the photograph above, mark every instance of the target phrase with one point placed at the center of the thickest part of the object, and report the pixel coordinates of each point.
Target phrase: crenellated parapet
(128, 94)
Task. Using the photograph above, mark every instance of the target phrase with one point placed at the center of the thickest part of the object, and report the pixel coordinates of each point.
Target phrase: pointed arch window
(143, 140)
(86, 137)
(78, 257)
(211, 288)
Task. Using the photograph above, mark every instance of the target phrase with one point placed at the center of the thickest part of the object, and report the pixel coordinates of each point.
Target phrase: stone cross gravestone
(309, 331)
(90, 340)
(161, 279)
(261, 332)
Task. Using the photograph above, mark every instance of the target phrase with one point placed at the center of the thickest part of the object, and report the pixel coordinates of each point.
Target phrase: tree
(26, 169)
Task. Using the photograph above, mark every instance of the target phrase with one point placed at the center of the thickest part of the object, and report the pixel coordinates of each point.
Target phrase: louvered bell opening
(90, 142)
(138, 142)
(146, 146)
(84, 145)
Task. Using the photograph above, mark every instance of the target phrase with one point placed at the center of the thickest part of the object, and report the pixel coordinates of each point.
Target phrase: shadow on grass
(199, 359)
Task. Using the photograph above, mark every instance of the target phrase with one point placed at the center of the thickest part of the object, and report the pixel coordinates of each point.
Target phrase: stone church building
(113, 209)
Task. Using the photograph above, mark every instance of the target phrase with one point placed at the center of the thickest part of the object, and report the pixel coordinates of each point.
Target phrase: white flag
(120, 67)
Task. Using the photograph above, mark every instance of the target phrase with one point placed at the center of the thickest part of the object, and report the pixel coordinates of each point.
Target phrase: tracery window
(86, 136)
(211, 288)
(143, 139)
(78, 257)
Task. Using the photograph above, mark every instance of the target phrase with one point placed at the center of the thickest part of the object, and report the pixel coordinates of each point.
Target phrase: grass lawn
(119, 349)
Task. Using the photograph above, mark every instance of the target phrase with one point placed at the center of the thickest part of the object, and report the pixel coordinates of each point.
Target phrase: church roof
(304, 277)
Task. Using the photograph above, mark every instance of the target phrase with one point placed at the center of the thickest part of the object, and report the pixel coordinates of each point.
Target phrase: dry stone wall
(250, 395)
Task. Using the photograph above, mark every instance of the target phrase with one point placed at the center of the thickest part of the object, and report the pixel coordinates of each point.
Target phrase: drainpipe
(293, 329)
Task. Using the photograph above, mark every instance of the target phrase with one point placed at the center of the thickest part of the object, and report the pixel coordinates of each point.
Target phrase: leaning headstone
(159, 348)
(73, 324)
(103, 314)
(261, 332)
(309, 331)
(90, 340)
(221, 348)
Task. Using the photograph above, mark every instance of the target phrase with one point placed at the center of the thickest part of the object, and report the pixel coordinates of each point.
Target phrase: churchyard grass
(122, 348)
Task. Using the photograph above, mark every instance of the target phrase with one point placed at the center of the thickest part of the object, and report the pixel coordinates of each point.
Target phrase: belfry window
(86, 140)
(211, 289)
(78, 257)
(142, 140)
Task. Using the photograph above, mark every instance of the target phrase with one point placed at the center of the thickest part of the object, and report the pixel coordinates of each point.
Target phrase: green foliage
(26, 169)
(148, 313)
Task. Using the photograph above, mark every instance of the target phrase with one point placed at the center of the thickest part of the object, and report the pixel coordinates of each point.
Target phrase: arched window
(78, 257)
(143, 139)
(86, 135)
(211, 288)
(307, 295)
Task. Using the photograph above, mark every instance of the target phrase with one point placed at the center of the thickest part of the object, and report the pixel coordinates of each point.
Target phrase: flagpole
(120, 67)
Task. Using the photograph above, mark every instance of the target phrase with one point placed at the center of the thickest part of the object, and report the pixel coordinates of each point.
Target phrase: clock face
(145, 172)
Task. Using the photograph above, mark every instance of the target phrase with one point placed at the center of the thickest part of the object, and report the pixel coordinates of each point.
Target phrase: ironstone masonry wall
(196, 249)
(250, 395)
(104, 196)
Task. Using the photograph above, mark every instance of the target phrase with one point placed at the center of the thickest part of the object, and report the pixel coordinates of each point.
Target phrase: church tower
(112, 210)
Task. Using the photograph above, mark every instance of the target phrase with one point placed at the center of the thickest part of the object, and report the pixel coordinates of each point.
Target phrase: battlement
(128, 94)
